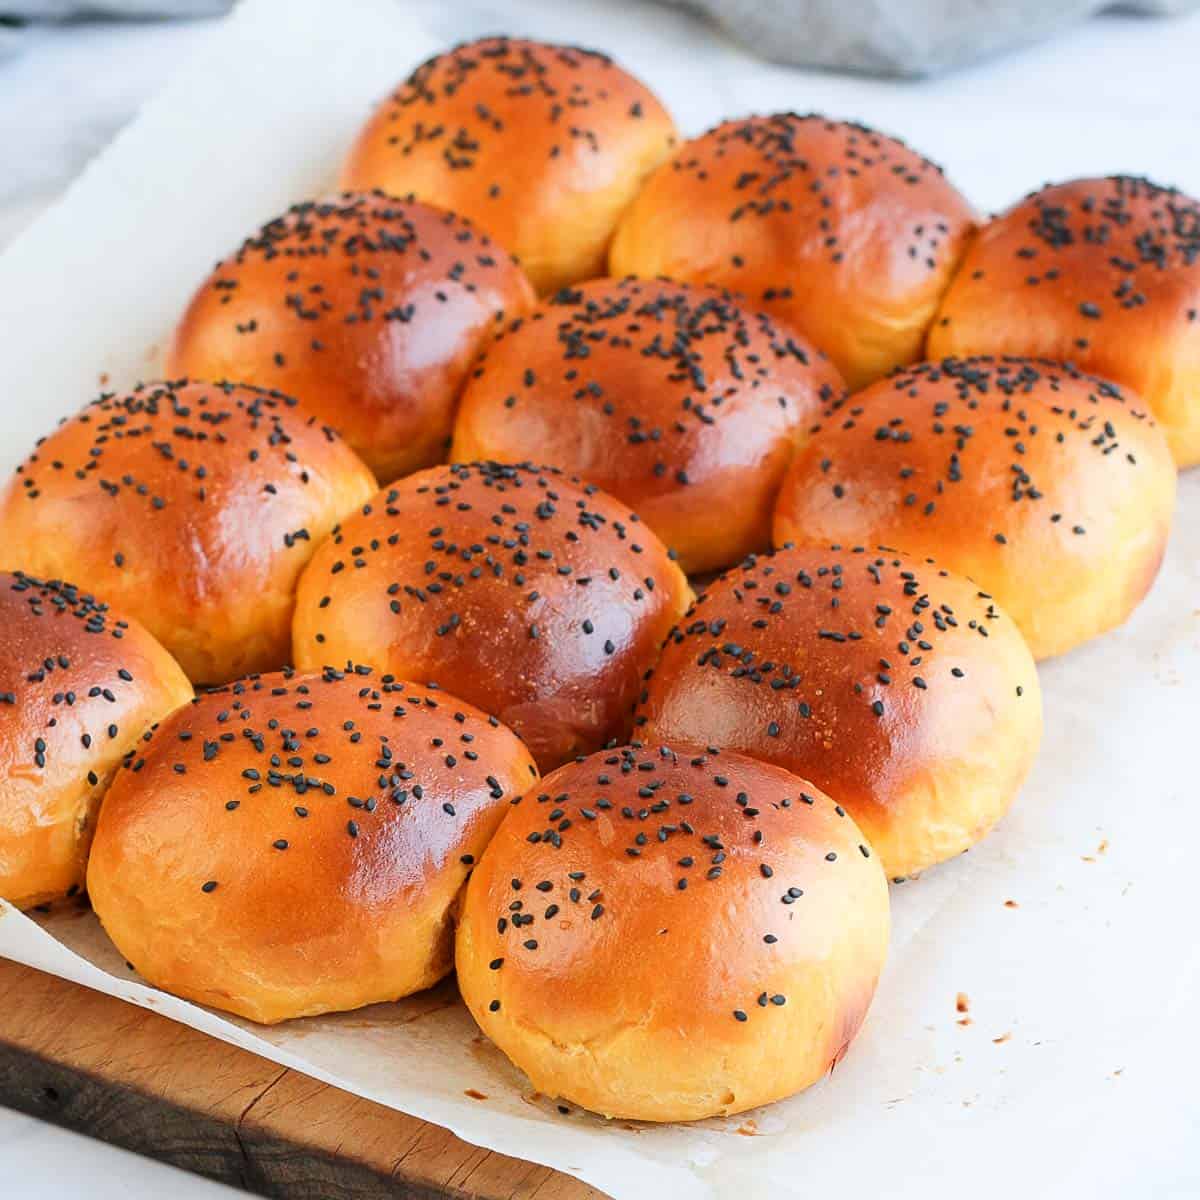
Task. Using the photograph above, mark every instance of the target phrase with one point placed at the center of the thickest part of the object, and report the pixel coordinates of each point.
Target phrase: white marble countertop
(1116, 94)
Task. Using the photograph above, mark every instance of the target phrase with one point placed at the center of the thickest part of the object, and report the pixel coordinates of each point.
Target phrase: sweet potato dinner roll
(844, 233)
(666, 934)
(1103, 272)
(1050, 488)
(294, 844)
(78, 687)
(367, 309)
(518, 588)
(898, 688)
(190, 506)
(674, 399)
(542, 145)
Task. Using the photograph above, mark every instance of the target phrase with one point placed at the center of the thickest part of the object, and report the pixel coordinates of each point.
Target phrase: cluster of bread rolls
(413, 509)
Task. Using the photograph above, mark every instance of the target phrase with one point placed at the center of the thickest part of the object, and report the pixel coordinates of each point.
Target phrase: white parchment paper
(1075, 1076)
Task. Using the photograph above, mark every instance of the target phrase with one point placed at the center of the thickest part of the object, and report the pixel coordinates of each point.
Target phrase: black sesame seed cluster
(350, 777)
(339, 261)
(1116, 248)
(782, 180)
(88, 693)
(532, 88)
(879, 655)
(533, 532)
(706, 349)
(179, 445)
(685, 823)
(1020, 390)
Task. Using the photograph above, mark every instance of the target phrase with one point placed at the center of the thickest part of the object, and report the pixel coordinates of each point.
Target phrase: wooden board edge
(90, 1063)
(246, 1156)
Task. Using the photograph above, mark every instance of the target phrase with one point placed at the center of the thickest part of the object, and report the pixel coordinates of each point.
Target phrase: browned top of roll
(78, 687)
(844, 232)
(1105, 272)
(678, 400)
(635, 838)
(521, 589)
(191, 506)
(368, 783)
(367, 308)
(542, 144)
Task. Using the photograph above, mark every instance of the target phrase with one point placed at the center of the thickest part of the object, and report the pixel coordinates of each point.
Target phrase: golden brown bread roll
(78, 687)
(670, 934)
(190, 506)
(844, 233)
(676, 400)
(1052, 489)
(541, 145)
(294, 844)
(520, 589)
(1102, 272)
(897, 687)
(367, 309)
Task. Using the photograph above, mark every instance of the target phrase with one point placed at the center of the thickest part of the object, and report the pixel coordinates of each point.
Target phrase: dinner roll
(294, 844)
(542, 145)
(844, 233)
(674, 399)
(190, 506)
(367, 309)
(1104, 272)
(665, 934)
(1050, 488)
(520, 589)
(78, 687)
(898, 688)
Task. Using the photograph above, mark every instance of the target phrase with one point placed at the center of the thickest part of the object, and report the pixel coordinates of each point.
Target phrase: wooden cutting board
(130, 1077)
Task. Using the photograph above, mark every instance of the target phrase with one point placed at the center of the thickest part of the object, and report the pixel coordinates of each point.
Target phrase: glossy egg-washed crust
(79, 685)
(367, 309)
(1052, 489)
(520, 589)
(677, 400)
(670, 934)
(543, 146)
(190, 506)
(1102, 272)
(843, 232)
(294, 844)
(893, 685)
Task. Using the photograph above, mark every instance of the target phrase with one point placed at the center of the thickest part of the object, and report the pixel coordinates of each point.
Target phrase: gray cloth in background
(880, 37)
(17, 15)
(903, 37)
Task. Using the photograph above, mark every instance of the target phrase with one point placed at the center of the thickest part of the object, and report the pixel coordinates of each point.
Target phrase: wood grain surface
(102, 1067)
